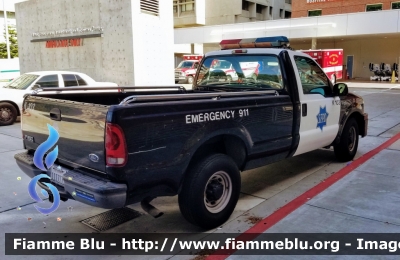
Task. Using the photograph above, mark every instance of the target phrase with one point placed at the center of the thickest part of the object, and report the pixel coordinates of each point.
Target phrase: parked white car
(12, 94)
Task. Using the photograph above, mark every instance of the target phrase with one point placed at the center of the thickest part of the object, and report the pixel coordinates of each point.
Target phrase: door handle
(303, 110)
(55, 114)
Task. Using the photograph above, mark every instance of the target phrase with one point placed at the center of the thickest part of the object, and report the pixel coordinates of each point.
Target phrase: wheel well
(14, 105)
(360, 122)
(230, 145)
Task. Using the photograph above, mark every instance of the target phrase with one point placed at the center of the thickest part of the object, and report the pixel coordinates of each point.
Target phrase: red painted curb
(278, 215)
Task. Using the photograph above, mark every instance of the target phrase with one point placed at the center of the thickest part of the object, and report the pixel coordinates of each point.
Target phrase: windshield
(185, 64)
(240, 72)
(22, 82)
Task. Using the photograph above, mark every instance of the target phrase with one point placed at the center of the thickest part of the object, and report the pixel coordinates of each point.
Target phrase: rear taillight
(116, 154)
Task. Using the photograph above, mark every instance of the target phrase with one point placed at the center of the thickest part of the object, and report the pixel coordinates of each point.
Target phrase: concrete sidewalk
(366, 200)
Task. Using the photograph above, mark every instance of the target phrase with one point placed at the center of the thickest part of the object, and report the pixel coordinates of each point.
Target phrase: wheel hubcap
(5, 114)
(352, 139)
(214, 190)
(217, 192)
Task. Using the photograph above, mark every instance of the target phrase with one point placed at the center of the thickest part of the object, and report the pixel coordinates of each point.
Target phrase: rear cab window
(250, 72)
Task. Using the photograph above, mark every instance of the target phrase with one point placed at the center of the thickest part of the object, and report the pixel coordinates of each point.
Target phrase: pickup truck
(129, 147)
(12, 94)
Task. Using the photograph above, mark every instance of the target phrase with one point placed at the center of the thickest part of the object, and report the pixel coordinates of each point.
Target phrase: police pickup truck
(120, 148)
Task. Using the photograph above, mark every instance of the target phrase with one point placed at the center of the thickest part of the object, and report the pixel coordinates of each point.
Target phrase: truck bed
(162, 131)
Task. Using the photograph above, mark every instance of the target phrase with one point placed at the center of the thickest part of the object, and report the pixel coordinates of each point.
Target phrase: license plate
(57, 173)
(29, 138)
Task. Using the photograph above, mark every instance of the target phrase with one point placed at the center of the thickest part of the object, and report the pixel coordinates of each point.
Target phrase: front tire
(210, 191)
(8, 114)
(346, 149)
(190, 80)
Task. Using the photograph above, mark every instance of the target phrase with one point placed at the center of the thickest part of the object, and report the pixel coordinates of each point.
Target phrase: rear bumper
(78, 185)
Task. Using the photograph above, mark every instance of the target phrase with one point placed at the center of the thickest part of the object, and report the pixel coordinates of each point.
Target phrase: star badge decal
(322, 117)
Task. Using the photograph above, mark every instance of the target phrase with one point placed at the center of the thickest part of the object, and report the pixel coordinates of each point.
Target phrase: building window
(288, 15)
(150, 6)
(187, 5)
(245, 5)
(270, 10)
(396, 5)
(183, 6)
(314, 12)
(259, 8)
(10, 15)
(374, 7)
(281, 13)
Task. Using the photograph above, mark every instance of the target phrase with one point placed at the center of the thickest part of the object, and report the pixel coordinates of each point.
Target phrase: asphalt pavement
(363, 200)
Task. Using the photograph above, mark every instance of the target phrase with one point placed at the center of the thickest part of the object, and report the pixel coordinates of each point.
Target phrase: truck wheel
(190, 80)
(210, 191)
(346, 149)
(8, 114)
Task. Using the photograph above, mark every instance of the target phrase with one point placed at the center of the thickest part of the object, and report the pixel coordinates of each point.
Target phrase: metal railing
(194, 96)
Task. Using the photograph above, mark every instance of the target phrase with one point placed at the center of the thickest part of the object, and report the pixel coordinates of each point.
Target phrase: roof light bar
(263, 42)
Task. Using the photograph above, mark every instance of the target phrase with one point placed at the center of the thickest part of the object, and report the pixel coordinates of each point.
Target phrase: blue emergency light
(263, 42)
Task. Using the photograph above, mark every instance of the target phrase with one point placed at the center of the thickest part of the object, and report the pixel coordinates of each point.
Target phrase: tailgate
(81, 129)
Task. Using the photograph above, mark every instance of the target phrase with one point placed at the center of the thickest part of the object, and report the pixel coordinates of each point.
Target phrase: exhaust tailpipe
(150, 209)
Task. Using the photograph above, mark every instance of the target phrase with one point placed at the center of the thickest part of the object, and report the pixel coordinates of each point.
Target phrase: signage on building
(74, 33)
(64, 43)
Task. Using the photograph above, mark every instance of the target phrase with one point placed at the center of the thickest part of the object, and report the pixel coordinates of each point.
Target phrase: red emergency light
(192, 57)
(263, 42)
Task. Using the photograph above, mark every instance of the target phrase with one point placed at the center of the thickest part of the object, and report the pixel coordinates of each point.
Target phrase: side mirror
(36, 86)
(340, 89)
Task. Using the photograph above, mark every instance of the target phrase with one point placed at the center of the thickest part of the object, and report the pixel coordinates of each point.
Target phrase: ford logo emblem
(93, 157)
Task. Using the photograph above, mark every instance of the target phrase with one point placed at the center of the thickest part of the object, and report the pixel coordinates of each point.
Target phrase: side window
(313, 79)
(50, 81)
(196, 65)
(69, 80)
(80, 81)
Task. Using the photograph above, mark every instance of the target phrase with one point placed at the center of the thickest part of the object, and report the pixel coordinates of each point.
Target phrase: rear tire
(210, 191)
(346, 149)
(8, 114)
